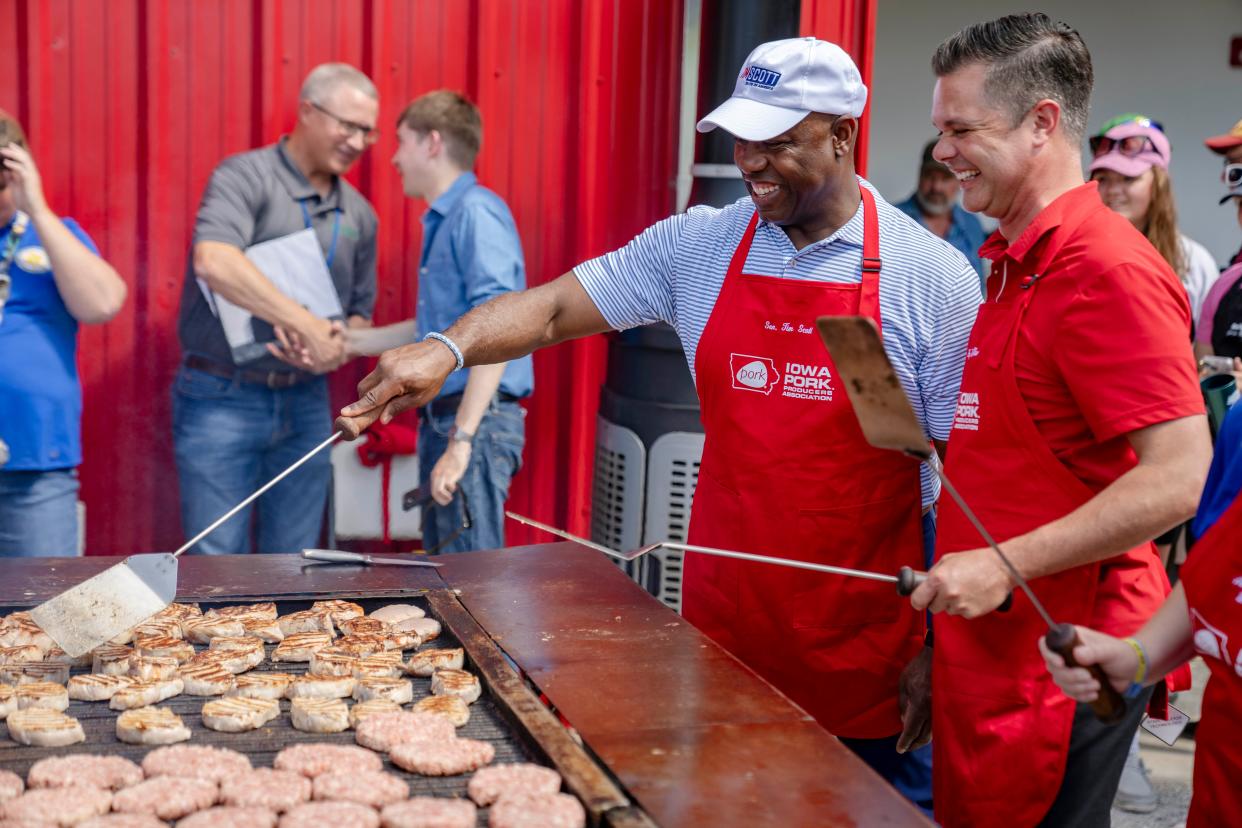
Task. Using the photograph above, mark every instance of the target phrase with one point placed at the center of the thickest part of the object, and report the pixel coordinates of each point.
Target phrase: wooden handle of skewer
(909, 579)
(1109, 706)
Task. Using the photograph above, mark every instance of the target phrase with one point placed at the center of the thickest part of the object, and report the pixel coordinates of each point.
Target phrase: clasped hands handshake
(320, 347)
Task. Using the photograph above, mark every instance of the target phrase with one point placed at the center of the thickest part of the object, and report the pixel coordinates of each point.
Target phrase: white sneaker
(1135, 793)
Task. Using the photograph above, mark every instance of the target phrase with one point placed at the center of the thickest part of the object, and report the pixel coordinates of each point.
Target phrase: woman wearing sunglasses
(1220, 333)
(1130, 161)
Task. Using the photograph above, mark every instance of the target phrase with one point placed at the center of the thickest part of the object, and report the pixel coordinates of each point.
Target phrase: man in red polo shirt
(1080, 435)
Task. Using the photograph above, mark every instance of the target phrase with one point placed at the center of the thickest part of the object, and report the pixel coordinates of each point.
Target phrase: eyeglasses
(349, 129)
(1129, 146)
(422, 498)
(1232, 175)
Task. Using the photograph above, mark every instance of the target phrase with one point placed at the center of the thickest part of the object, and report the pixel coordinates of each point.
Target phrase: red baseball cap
(1223, 143)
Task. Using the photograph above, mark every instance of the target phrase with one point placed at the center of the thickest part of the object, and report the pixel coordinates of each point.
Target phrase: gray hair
(1028, 58)
(328, 76)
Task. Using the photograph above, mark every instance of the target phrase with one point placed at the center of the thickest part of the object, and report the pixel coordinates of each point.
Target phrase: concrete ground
(1169, 768)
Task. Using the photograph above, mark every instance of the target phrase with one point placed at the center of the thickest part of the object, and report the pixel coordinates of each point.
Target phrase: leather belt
(249, 376)
(449, 403)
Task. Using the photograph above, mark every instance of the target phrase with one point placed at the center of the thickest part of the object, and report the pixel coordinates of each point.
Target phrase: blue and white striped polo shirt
(673, 271)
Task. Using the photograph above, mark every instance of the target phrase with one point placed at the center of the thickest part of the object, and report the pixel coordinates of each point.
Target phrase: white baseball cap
(784, 81)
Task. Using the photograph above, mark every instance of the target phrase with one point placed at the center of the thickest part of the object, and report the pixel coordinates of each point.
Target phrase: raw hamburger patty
(123, 821)
(167, 797)
(316, 758)
(58, 806)
(11, 784)
(392, 613)
(267, 788)
(430, 812)
(383, 731)
(537, 811)
(336, 814)
(491, 784)
(373, 788)
(110, 773)
(196, 762)
(442, 758)
(227, 816)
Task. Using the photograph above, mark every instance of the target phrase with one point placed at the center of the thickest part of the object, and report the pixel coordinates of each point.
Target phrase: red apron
(787, 472)
(1001, 726)
(1212, 578)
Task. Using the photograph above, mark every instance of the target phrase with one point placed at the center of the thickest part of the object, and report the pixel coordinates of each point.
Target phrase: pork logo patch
(753, 373)
(967, 415)
(1208, 640)
(34, 260)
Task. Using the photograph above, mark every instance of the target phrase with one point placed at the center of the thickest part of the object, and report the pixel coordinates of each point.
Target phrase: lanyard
(17, 230)
(336, 230)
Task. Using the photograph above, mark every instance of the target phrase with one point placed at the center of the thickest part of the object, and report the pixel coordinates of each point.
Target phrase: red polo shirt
(1105, 349)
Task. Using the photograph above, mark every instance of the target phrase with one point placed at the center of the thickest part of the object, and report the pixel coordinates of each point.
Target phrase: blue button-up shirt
(965, 231)
(471, 253)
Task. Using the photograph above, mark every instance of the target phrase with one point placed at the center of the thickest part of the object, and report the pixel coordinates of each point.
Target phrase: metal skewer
(906, 579)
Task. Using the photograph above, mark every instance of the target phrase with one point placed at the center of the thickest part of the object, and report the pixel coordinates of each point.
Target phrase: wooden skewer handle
(1109, 706)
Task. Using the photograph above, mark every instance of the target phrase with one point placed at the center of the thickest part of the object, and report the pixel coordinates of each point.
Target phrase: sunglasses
(422, 499)
(1232, 175)
(1130, 147)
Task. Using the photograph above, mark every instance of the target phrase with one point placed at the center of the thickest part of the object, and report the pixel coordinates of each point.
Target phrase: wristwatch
(456, 435)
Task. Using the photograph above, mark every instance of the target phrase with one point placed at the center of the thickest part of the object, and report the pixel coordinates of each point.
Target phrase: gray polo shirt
(258, 196)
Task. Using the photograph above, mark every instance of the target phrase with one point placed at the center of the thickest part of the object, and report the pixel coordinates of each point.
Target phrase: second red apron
(1000, 726)
(786, 472)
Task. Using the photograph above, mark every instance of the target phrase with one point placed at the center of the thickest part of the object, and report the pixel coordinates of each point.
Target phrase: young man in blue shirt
(471, 434)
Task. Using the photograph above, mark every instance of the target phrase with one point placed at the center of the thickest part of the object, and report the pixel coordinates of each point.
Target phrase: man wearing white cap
(785, 469)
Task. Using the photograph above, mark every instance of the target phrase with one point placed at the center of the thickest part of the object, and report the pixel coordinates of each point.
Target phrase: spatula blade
(106, 605)
(880, 403)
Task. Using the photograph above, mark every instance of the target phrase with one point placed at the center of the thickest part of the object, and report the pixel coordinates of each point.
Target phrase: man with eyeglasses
(237, 425)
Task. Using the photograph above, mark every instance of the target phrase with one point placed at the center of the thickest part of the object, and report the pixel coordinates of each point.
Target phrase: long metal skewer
(336, 435)
(907, 579)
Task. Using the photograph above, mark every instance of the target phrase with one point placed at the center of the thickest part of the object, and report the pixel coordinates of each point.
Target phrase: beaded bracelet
(451, 345)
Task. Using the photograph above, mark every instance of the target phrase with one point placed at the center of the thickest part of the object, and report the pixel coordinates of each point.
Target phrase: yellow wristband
(1141, 672)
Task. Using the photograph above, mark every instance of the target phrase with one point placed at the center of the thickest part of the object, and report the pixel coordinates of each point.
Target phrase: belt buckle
(274, 380)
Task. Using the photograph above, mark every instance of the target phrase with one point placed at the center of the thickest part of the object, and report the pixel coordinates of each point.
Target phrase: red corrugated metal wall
(130, 104)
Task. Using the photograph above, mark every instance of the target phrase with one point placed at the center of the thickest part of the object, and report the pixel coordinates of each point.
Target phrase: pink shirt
(1224, 283)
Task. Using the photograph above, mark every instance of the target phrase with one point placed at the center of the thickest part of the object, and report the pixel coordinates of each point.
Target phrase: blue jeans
(38, 513)
(495, 457)
(911, 772)
(231, 438)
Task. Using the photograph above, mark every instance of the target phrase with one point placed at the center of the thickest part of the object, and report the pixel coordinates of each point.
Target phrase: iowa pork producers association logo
(753, 373)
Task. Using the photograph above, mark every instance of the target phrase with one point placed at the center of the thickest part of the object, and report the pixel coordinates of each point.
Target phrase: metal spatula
(888, 422)
(123, 596)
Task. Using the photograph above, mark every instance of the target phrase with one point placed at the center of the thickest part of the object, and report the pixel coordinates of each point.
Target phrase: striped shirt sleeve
(633, 285)
(940, 370)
